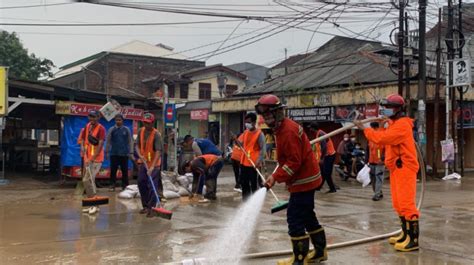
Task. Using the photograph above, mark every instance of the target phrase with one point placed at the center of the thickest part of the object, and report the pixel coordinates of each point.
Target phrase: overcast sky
(66, 44)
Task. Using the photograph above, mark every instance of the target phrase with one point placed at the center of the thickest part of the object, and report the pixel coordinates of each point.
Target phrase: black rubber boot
(403, 235)
(320, 253)
(411, 241)
(300, 252)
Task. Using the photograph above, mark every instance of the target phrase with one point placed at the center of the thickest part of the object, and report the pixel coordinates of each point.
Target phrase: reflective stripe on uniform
(288, 170)
(306, 180)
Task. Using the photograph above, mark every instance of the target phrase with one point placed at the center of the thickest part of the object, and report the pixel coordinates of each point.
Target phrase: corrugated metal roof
(340, 62)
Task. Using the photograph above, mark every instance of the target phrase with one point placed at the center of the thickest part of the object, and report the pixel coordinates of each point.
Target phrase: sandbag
(167, 185)
(170, 194)
(169, 175)
(183, 181)
(183, 192)
(126, 194)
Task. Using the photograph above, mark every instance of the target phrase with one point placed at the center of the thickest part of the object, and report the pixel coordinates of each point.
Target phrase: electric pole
(400, 38)
(461, 98)
(450, 120)
(422, 77)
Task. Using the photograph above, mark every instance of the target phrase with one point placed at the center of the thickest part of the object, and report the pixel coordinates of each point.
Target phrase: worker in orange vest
(236, 157)
(402, 162)
(299, 170)
(375, 158)
(253, 142)
(92, 147)
(207, 167)
(325, 154)
(149, 147)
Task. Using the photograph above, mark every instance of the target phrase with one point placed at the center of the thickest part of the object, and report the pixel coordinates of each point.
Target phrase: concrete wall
(211, 78)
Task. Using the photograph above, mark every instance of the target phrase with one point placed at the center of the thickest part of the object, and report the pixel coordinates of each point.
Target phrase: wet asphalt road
(41, 223)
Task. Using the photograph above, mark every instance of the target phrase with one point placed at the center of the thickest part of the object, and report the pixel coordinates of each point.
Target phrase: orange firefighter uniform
(401, 161)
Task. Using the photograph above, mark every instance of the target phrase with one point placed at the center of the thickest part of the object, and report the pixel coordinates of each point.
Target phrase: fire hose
(357, 241)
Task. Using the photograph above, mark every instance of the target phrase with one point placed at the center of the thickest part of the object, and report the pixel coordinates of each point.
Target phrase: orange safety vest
(375, 153)
(209, 159)
(146, 147)
(91, 149)
(236, 151)
(250, 141)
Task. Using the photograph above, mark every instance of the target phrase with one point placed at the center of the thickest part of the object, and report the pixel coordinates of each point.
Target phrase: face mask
(346, 139)
(387, 112)
(249, 126)
(353, 139)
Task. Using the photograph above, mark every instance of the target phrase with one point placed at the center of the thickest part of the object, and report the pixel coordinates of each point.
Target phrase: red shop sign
(200, 114)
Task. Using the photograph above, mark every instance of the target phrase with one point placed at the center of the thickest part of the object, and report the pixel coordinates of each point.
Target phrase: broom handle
(158, 202)
(255, 167)
(341, 130)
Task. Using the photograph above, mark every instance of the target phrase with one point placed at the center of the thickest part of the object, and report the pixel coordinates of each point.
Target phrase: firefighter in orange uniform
(401, 161)
(299, 170)
(236, 158)
(149, 147)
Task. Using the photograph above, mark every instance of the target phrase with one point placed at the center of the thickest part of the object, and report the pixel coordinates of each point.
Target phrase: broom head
(280, 205)
(94, 201)
(162, 212)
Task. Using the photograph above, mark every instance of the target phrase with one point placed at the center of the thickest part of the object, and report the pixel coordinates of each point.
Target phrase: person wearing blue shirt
(119, 147)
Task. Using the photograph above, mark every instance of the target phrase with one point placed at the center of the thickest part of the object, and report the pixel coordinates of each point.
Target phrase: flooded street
(41, 223)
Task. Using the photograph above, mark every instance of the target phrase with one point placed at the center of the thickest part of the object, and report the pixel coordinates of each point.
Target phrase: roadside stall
(74, 118)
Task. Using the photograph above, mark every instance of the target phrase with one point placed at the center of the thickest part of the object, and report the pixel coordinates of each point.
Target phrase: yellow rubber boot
(320, 253)
(411, 241)
(402, 236)
(300, 252)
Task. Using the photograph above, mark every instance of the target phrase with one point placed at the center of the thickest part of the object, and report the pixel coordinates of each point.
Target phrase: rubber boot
(411, 241)
(402, 236)
(320, 253)
(300, 252)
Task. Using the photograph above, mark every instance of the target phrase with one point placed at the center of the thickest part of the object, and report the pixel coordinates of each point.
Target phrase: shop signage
(312, 114)
(200, 114)
(83, 109)
(322, 100)
(467, 115)
(348, 113)
(3, 91)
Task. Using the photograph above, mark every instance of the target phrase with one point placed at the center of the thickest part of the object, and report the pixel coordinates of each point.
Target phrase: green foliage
(21, 64)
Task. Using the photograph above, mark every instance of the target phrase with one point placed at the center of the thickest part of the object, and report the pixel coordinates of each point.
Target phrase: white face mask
(353, 139)
(346, 139)
(249, 126)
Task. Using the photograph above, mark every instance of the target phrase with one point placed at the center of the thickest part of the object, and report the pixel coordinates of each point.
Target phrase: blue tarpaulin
(70, 150)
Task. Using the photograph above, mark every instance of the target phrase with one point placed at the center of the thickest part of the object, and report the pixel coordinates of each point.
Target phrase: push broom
(158, 209)
(280, 205)
(96, 200)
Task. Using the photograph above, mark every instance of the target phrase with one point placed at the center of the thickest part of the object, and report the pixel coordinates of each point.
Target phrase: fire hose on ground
(267, 254)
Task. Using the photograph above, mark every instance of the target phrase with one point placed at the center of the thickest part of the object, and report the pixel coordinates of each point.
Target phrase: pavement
(41, 223)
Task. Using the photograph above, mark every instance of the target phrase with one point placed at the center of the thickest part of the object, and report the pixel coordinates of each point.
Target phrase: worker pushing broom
(92, 147)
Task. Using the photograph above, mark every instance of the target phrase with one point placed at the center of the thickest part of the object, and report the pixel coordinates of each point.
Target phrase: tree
(21, 64)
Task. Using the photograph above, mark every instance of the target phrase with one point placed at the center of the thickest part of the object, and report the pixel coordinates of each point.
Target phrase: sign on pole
(3, 91)
(461, 72)
(170, 115)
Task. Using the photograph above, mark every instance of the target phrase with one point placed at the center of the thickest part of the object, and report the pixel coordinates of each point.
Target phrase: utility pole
(286, 65)
(461, 98)
(436, 105)
(449, 91)
(400, 37)
(407, 68)
(422, 77)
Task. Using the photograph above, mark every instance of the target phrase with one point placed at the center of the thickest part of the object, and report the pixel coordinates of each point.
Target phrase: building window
(230, 89)
(183, 91)
(204, 91)
(171, 91)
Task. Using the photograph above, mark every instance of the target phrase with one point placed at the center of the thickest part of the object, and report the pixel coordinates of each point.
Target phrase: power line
(33, 6)
(114, 24)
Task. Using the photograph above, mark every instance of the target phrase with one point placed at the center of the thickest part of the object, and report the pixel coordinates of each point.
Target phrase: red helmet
(393, 101)
(271, 102)
(148, 117)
